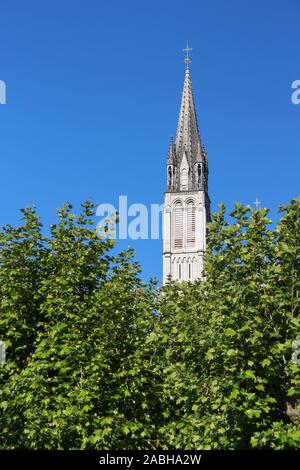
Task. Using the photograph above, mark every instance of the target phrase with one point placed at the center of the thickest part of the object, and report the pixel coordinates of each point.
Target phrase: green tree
(228, 375)
(98, 360)
(71, 324)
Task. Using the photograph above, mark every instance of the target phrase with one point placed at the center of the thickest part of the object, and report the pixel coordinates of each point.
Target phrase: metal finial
(187, 59)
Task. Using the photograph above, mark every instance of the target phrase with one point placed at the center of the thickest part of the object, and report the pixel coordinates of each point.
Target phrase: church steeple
(189, 160)
(187, 204)
(187, 135)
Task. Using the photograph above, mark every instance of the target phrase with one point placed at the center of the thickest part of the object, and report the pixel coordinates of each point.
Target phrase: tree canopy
(97, 359)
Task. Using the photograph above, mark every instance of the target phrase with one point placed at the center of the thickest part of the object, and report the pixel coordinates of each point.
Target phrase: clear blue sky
(93, 93)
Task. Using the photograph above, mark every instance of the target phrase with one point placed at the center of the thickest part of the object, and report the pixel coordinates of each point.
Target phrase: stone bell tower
(187, 204)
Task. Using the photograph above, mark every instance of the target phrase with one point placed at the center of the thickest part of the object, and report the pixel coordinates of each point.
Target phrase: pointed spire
(171, 160)
(187, 157)
(187, 136)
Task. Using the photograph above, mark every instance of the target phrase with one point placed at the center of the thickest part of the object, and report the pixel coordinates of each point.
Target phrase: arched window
(199, 174)
(169, 176)
(178, 225)
(191, 224)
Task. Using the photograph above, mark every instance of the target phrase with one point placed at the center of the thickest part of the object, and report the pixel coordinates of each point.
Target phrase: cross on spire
(187, 50)
(257, 202)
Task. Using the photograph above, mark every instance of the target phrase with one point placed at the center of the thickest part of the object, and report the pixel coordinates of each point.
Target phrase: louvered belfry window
(191, 224)
(178, 229)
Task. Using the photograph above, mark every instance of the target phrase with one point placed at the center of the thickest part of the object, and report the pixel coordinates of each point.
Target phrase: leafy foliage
(230, 338)
(98, 360)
